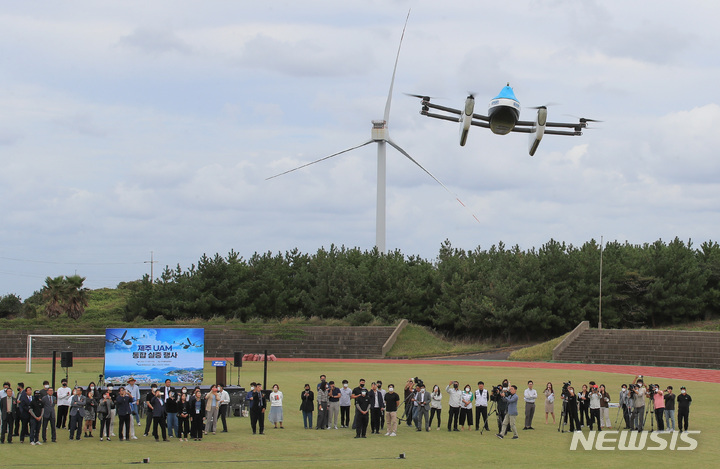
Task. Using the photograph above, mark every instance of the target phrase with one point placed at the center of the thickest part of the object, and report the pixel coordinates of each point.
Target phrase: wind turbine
(381, 136)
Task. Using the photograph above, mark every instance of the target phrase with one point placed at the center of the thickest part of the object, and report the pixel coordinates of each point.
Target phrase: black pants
(683, 415)
(572, 413)
(659, 414)
(7, 427)
(104, 425)
(434, 411)
(222, 410)
(375, 419)
(51, 421)
(627, 413)
(76, 423)
(345, 415)
(500, 418)
(163, 426)
(24, 426)
(183, 426)
(481, 410)
(148, 421)
(466, 415)
(62, 412)
(595, 417)
(361, 423)
(257, 419)
(453, 418)
(584, 414)
(196, 429)
(124, 422)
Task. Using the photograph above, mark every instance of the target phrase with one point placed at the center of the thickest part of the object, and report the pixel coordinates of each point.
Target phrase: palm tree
(65, 295)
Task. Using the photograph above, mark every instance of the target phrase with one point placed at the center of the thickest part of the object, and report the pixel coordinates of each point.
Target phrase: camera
(418, 382)
(495, 392)
(565, 387)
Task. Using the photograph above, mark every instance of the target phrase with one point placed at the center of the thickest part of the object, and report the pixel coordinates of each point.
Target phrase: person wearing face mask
(77, 412)
(466, 400)
(454, 402)
(409, 407)
(481, 403)
(148, 408)
(625, 405)
(307, 406)
(43, 391)
(133, 390)
(48, 404)
(435, 406)
(96, 396)
(18, 417)
(103, 413)
(423, 400)
(362, 409)
(530, 395)
(683, 404)
(376, 406)
(669, 409)
(8, 409)
(382, 397)
(24, 401)
(124, 411)
(211, 410)
(512, 399)
(113, 412)
(639, 403)
(355, 393)
(224, 403)
(322, 405)
(392, 401)
(333, 405)
(345, 403)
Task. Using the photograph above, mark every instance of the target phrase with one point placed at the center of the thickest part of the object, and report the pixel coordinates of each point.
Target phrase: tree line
(492, 293)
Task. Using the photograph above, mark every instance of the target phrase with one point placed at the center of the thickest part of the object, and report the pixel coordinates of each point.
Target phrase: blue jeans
(307, 419)
(670, 418)
(172, 423)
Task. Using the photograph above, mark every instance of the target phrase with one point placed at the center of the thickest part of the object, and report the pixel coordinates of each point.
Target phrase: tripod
(491, 410)
(405, 406)
(652, 417)
(563, 417)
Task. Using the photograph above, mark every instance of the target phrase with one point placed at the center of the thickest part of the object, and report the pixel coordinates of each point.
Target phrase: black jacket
(307, 401)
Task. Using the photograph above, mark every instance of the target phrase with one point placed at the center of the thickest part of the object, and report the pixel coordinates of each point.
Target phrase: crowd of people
(190, 414)
(40, 414)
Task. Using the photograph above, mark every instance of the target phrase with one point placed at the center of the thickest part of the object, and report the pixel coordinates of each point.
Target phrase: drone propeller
(423, 97)
(582, 119)
(545, 106)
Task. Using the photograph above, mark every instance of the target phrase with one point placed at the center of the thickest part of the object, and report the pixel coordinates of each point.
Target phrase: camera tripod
(650, 410)
(563, 417)
(491, 410)
(405, 409)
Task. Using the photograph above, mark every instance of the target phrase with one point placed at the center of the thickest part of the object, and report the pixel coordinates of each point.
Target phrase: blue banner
(154, 355)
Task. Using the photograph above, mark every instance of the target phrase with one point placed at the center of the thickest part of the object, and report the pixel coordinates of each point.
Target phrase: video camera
(565, 387)
(418, 382)
(495, 392)
(652, 389)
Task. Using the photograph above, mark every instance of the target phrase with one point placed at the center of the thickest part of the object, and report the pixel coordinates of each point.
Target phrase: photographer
(454, 402)
(571, 407)
(501, 404)
(669, 409)
(511, 399)
(639, 392)
(625, 404)
(659, 406)
(595, 397)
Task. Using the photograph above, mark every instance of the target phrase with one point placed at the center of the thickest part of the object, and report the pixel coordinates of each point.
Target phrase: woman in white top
(276, 410)
(435, 405)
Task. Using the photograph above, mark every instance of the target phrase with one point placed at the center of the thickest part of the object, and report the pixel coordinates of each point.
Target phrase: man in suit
(157, 405)
(18, 420)
(77, 412)
(376, 405)
(422, 399)
(8, 409)
(258, 404)
(24, 401)
(48, 404)
(167, 389)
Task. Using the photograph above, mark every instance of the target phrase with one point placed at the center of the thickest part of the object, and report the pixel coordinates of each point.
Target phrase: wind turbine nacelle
(538, 130)
(379, 130)
(466, 119)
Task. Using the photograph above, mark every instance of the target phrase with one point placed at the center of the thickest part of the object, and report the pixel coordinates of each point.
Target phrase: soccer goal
(82, 346)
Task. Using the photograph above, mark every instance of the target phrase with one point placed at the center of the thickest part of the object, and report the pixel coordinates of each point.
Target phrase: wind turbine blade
(397, 147)
(322, 159)
(392, 81)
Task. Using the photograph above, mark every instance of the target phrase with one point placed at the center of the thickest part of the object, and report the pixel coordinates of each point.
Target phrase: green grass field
(298, 448)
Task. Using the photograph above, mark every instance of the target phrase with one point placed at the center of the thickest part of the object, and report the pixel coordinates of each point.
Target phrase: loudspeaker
(66, 359)
(238, 360)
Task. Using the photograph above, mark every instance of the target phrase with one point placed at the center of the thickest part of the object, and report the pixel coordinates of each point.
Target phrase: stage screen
(154, 355)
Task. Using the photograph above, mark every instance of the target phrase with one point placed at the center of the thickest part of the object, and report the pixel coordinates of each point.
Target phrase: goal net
(82, 346)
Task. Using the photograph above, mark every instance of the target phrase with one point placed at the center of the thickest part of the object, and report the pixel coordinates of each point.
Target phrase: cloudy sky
(131, 127)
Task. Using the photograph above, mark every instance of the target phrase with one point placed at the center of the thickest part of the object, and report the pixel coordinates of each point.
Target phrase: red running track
(690, 374)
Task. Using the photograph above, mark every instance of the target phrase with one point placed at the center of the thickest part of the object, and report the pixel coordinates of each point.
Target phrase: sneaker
(108, 438)
(387, 434)
(333, 427)
(578, 431)
(101, 438)
(500, 436)
(393, 434)
(515, 437)
(32, 443)
(133, 437)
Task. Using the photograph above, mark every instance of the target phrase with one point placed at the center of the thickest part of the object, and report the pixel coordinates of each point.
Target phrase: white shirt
(455, 397)
(530, 395)
(224, 398)
(276, 399)
(481, 397)
(64, 395)
(134, 391)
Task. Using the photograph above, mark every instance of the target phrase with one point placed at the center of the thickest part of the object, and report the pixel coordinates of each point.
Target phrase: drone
(122, 339)
(188, 345)
(503, 118)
